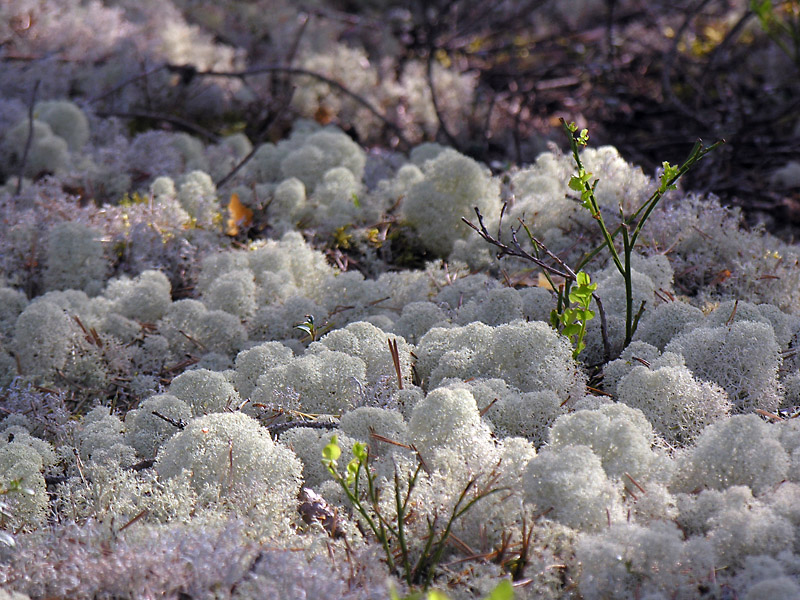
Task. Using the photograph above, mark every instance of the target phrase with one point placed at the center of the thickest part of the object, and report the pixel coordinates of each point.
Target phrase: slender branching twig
(515, 249)
(178, 122)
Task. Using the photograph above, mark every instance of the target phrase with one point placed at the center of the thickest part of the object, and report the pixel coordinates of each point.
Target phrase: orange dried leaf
(721, 277)
(543, 283)
(324, 115)
(240, 215)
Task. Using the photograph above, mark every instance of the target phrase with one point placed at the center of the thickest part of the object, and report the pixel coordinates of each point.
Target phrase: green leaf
(576, 184)
(352, 471)
(360, 451)
(437, 595)
(503, 591)
(332, 452)
(570, 330)
(668, 175)
(578, 296)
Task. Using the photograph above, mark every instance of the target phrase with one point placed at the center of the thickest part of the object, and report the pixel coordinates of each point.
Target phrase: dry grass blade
(396, 361)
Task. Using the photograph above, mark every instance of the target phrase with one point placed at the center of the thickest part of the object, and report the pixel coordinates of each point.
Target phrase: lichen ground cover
(180, 340)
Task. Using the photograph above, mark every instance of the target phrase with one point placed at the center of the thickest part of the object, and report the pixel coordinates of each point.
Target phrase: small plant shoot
(416, 567)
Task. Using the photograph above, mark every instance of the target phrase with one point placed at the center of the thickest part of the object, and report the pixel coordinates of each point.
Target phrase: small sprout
(581, 138)
(309, 327)
(15, 486)
(581, 183)
(668, 178)
(631, 226)
(375, 238)
(360, 455)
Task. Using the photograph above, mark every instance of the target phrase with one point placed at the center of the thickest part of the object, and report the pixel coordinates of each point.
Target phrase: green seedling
(310, 328)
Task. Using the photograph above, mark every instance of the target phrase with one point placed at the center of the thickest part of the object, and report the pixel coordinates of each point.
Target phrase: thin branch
(669, 61)
(28, 141)
(396, 361)
(127, 82)
(177, 423)
(516, 250)
(281, 427)
(304, 20)
(232, 173)
(546, 250)
(442, 125)
(305, 72)
(172, 119)
(280, 105)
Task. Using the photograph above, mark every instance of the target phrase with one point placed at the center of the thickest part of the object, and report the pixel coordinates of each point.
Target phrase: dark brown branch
(305, 72)
(178, 423)
(442, 125)
(669, 60)
(237, 168)
(281, 427)
(127, 82)
(28, 141)
(396, 361)
(563, 265)
(304, 20)
(167, 118)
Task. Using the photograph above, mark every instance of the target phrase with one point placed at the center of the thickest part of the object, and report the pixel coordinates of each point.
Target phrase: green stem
(593, 206)
(400, 529)
(380, 534)
(698, 153)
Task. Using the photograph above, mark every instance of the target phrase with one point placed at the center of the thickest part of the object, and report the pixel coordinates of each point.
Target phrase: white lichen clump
(452, 185)
(223, 452)
(169, 387)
